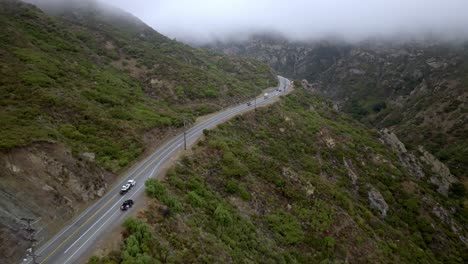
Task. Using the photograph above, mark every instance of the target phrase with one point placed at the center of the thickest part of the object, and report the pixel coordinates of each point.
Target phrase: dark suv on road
(127, 204)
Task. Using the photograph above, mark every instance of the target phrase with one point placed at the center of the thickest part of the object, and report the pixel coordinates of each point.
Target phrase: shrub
(70, 132)
(412, 204)
(155, 189)
(222, 216)
(232, 187)
(377, 107)
(173, 203)
(286, 227)
(244, 194)
(457, 190)
(195, 200)
(329, 242)
(138, 244)
(33, 78)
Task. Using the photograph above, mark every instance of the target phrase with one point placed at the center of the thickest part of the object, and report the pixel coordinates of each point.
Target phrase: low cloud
(206, 20)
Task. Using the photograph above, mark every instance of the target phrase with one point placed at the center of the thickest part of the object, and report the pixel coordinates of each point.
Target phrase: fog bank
(206, 20)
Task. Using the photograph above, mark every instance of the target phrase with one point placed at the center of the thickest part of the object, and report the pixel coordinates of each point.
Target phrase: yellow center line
(74, 232)
(92, 216)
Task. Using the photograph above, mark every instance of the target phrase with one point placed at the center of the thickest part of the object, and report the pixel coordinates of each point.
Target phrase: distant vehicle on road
(265, 96)
(127, 187)
(249, 103)
(127, 204)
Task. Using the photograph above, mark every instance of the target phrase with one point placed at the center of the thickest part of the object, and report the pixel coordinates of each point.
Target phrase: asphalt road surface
(77, 239)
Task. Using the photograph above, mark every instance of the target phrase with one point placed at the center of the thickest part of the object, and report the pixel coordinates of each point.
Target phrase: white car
(127, 186)
(131, 182)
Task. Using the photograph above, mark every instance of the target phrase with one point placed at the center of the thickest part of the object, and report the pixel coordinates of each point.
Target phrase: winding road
(77, 239)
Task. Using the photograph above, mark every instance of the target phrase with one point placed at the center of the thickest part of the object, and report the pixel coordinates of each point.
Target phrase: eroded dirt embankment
(44, 182)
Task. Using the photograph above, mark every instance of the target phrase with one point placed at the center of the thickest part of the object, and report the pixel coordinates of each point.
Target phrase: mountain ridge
(83, 95)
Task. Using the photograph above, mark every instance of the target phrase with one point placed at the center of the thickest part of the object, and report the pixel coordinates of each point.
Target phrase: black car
(127, 204)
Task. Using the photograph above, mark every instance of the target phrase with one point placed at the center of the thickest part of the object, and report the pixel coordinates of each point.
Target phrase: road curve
(78, 238)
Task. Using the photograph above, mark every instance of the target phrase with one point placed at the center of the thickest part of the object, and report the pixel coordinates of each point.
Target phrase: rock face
(351, 174)
(314, 87)
(43, 182)
(89, 156)
(440, 176)
(377, 201)
(406, 158)
(445, 216)
(392, 140)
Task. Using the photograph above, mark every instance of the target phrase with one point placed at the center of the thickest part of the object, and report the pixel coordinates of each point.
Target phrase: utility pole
(31, 233)
(185, 140)
(185, 136)
(255, 103)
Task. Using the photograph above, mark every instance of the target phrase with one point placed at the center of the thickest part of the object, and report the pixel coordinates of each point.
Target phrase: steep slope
(296, 59)
(419, 89)
(169, 69)
(297, 182)
(86, 89)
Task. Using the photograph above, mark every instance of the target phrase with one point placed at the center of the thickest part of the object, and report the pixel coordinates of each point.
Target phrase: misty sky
(300, 19)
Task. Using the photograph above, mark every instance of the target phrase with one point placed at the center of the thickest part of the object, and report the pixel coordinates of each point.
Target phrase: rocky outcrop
(314, 87)
(377, 201)
(406, 158)
(351, 174)
(441, 175)
(43, 182)
(392, 140)
(445, 216)
(89, 156)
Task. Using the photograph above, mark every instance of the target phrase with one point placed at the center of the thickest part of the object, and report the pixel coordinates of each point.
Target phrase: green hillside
(418, 89)
(296, 182)
(97, 79)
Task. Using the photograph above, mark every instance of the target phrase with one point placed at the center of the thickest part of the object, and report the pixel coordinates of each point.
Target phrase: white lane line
(207, 123)
(160, 160)
(157, 165)
(90, 237)
(48, 244)
(93, 224)
(168, 145)
(139, 188)
(118, 202)
(142, 164)
(68, 228)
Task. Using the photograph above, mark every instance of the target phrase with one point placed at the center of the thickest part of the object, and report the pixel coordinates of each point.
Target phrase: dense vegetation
(418, 91)
(97, 79)
(291, 183)
(416, 88)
